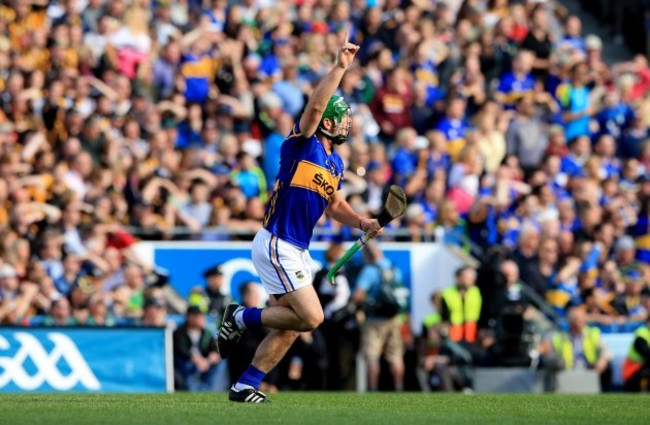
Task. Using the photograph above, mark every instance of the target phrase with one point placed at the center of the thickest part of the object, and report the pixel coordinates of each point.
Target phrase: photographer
(377, 287)
(512, 335)
(339, 312)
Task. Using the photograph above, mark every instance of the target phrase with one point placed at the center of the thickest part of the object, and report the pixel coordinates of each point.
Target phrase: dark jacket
(183, 344)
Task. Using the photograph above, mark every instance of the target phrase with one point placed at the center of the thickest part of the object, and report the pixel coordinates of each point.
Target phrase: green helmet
(335, 110)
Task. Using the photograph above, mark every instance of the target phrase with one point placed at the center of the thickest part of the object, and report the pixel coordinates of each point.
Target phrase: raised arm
(103, 88)
(325, 89)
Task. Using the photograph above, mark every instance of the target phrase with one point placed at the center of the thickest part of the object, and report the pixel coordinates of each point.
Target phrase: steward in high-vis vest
(590, 348)
(636, 367)
(581, 347)
(461, 306)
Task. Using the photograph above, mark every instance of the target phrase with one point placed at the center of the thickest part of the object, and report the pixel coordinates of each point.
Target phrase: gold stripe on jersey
(294, 132)
(318, 179)
(272, 202)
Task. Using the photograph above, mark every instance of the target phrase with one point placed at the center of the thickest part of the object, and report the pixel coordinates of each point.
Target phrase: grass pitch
(325, 408)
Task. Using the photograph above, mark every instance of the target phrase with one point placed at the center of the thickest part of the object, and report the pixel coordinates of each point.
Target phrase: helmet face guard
(336, 110)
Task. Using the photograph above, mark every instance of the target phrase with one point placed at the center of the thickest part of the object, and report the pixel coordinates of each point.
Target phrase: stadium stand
(513, 136)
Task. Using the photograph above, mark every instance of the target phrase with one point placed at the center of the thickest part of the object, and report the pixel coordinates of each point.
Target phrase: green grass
(325, 408)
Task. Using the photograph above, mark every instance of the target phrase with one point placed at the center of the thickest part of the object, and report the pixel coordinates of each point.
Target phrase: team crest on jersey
(300, 274)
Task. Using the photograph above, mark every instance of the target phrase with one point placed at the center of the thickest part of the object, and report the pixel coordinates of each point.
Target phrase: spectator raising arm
(16, 309)
(103, 88)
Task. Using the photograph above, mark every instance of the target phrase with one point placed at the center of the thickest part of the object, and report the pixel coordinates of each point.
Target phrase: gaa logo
(12, 369)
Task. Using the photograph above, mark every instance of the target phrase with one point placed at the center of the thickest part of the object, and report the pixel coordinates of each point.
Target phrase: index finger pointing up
(347, 38)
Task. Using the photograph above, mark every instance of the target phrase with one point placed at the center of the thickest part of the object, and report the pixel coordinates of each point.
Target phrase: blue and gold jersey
(197, 71)
(511, 88)
(455, 131)
(306, 183)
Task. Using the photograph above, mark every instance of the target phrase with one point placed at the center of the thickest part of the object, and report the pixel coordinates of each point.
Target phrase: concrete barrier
(507, 380)
(578, 382)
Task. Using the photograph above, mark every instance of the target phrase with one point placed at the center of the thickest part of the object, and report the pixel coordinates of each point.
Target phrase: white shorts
(283, 267)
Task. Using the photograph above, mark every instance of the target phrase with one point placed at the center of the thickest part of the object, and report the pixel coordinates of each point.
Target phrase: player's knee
(309, 326)
(313, 320)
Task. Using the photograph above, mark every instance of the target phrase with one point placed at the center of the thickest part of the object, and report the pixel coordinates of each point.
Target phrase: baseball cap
(194, 309)
(625, 243)
(414, 211)
(7, 270)
(252, 147)
(270, 100)
(154, 302)
(421, 142)
(213, 271)
(593, 42)
(319, 27)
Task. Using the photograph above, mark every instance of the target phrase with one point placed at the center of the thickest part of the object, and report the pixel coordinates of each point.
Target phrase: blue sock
(252, 317)
(251, 378)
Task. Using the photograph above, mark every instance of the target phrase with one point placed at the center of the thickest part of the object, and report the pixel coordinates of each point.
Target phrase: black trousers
(640, 381)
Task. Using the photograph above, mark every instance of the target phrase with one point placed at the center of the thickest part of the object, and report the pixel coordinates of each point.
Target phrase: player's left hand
(371, 226)
(347, 52)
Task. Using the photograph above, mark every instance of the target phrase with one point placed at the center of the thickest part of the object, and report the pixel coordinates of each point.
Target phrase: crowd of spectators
(164, 120)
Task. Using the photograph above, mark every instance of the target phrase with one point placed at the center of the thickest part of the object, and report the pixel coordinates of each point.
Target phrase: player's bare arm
(279, 248)
(341, 211)
(313, 113)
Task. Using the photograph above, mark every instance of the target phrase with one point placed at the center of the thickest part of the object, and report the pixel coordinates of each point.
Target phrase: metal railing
(224, 231)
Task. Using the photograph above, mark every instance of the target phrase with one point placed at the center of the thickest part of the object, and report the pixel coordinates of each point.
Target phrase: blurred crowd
(512, 136)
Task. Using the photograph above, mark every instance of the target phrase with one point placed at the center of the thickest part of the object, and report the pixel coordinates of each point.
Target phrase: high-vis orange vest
(634, 361)
(464, 312)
